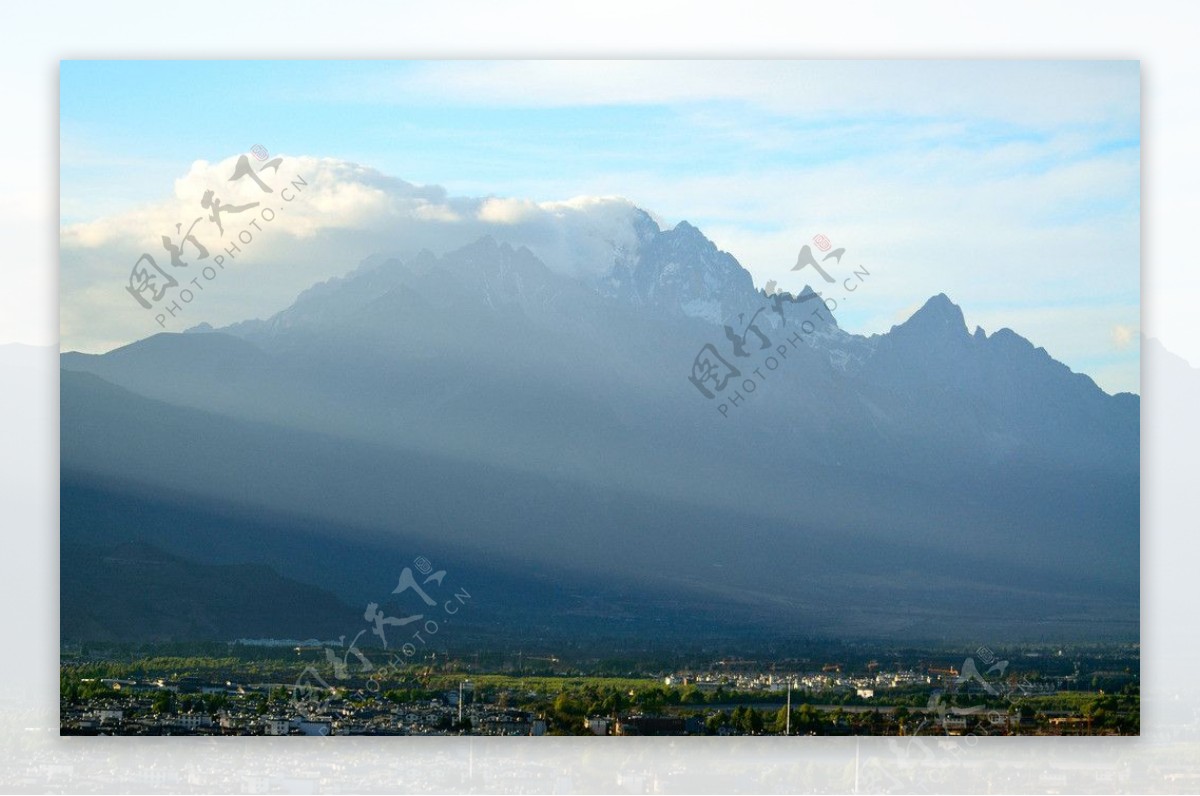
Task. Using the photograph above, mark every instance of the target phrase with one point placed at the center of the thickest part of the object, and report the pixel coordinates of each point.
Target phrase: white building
(275, 726)
(191, 721)
(598, 725)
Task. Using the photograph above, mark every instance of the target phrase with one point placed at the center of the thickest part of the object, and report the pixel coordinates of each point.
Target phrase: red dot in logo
(822, 242)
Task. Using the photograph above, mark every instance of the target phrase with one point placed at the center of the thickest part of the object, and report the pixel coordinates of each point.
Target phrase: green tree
(716, 721)
(164, 701)
(780, 725)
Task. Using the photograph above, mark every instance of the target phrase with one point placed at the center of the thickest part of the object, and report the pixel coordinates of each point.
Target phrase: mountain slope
(136, 592)
(483, 396)
(533, 550)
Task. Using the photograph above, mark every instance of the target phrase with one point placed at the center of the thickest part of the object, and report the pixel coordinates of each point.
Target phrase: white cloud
(509, 211)
(339, 214)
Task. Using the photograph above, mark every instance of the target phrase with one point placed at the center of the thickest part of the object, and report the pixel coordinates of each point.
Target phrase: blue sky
(1011, 186)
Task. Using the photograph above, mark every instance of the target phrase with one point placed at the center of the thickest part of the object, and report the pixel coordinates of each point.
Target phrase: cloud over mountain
(342, 214)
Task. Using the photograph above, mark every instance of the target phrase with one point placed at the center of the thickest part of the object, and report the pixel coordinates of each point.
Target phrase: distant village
(828, 701)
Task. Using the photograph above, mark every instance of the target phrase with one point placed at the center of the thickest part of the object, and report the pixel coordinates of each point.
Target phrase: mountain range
(546, 434)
